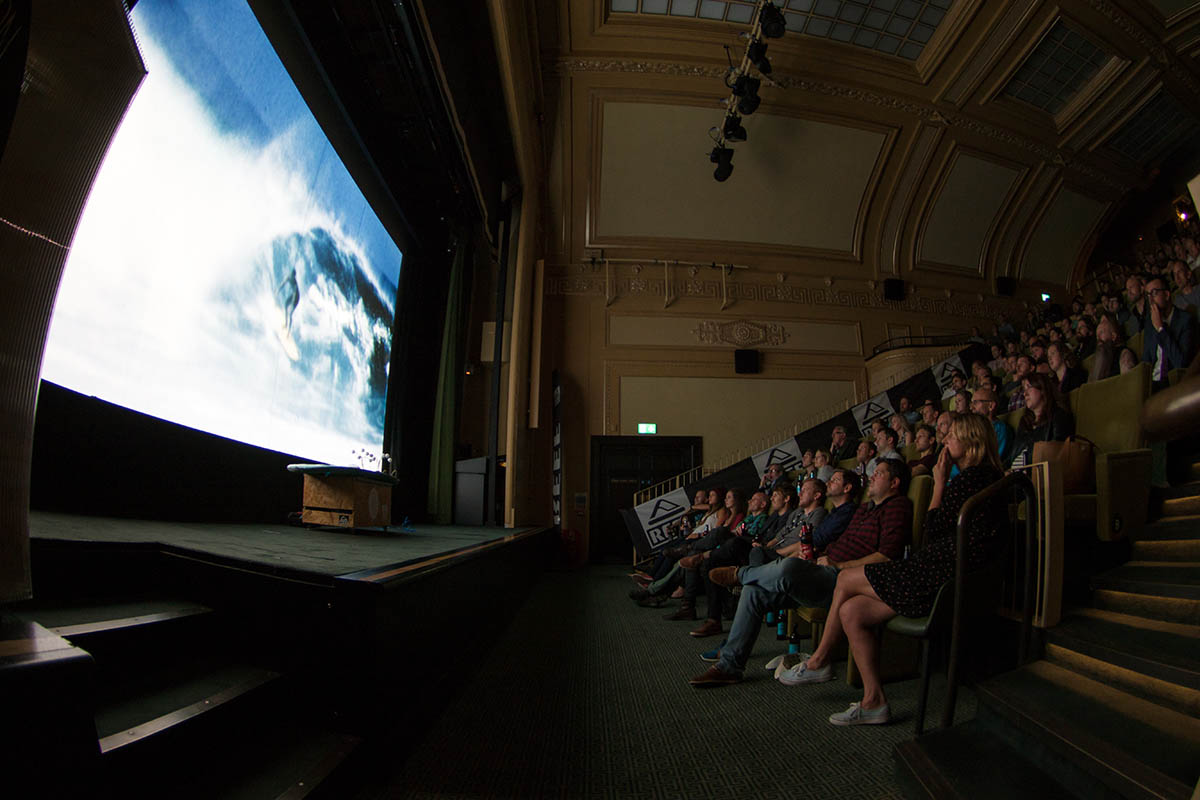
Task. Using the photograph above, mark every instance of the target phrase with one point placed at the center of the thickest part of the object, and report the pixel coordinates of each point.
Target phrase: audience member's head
(865, 452)
(891, 476)
(780, 497)
(843, 485)
(972, 441)
(905, 405)
(983, 402)
(839, 436)
(807, 459)
(701, 498)
(877, 425)
(1134, 286)
(1058, 356)
(885, 440)
(1024, 365)
(1037, 349)
(758, 502)
(958, 381)
(1181, 274)
(1041, 397)
(925, 438)
(962, 401)
(821, 459)
(811, 494)
(945, 420)
(929, 412)
(1159, 294)
(716, 498)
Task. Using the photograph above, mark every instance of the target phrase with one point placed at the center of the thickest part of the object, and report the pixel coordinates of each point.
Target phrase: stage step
(1182, 506)
(162, 703)
(1167, 550)
(970, 762)
(1093, 738)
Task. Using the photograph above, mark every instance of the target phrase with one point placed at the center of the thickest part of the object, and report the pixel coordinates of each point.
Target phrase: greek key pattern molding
(927, 113)
(921, 302)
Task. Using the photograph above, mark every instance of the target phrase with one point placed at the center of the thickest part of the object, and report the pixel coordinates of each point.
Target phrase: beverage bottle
(781, 625)
(806, 544)
(794, 642)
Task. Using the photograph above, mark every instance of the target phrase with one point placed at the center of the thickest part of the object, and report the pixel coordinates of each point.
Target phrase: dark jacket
(1176, 339)
(1056, 428)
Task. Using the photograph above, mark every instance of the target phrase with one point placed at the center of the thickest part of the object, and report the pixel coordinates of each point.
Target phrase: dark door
(621, 466)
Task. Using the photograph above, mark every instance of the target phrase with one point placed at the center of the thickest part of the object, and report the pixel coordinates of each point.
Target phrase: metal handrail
(1021, 482)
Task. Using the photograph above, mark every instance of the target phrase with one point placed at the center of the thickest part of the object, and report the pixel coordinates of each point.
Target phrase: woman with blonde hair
(903, 430)
(870, 595)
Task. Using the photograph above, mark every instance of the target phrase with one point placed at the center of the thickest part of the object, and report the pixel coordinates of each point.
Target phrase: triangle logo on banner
(781, 457)
(663, 509)
(874, 410)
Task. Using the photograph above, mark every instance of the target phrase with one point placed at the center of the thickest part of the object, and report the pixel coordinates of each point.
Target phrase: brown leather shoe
(715, 676)
(685, 611)
(711, 627)
(724, 576)
(691, 562)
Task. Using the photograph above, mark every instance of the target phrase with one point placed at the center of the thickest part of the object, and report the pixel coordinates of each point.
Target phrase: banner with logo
(877, 407)
(944, 371)
(786, 454)
(656, 515)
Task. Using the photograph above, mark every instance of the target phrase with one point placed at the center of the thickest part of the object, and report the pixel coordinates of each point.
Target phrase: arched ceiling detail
(941, 169)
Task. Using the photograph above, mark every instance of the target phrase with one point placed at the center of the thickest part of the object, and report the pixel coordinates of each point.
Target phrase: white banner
(786, 454)
(944, 371)
(878, 407)
(655, 515)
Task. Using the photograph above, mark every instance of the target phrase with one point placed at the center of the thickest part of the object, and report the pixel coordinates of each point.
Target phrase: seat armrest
(1122, 492)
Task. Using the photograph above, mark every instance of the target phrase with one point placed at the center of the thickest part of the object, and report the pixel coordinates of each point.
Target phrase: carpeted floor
(586, 695)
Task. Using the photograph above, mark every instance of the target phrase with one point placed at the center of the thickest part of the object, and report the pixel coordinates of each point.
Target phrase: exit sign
(647, 427)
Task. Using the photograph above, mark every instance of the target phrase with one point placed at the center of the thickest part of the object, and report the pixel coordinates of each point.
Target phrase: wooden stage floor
(373, 555)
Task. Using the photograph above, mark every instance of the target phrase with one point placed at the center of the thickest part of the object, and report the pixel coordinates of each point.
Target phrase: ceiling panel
(970, 200)
(1060, 236)
(1057, 69)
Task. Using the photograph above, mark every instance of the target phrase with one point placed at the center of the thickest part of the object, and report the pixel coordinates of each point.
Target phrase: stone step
(1185, 527)
(1095, 739)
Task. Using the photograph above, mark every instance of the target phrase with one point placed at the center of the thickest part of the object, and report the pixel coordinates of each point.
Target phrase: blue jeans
(786, 583)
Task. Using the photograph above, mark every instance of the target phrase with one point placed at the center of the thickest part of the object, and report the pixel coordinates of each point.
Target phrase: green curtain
(445, 414)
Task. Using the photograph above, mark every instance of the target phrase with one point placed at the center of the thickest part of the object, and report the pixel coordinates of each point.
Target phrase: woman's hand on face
(941, 468)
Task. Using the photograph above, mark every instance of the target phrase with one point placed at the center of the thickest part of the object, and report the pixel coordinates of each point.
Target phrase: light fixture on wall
(745, 89)
(756, 53)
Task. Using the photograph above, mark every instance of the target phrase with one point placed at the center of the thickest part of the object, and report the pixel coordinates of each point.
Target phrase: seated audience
(1127, 360)
(926, 450)
(878, 531)
(983, 403)
(1133, 315)
(1187, 293)
(1168, 343)
(945, 420)
(1045, 418)
(911, 415)
(1108, 344)
(748, 519)
(1016, 397)
(864, 455)
(821, 467)
(870, 594)
(840, 446)
(929, 412)
(1062, 368)
(962, 402)
(810, 511)
(885, 448)
(772, 476)
(904, 434)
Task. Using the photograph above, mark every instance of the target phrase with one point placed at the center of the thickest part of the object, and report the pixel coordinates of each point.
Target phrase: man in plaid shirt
(878, 531)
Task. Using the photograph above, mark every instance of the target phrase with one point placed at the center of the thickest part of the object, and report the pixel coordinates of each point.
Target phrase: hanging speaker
(893, 289)
(1006, 286)
(746, 362)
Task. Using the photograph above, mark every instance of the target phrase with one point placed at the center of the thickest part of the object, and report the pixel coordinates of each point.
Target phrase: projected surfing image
(227, 273)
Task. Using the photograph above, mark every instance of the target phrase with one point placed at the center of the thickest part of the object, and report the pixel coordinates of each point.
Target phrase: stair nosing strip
(142, 731)
(1136, 663)
(313, 779)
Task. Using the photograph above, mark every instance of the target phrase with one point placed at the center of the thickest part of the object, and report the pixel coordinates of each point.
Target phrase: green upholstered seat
(1108, 413)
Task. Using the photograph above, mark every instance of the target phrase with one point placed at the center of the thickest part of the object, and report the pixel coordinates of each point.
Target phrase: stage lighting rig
(768, 23)
(723, 158)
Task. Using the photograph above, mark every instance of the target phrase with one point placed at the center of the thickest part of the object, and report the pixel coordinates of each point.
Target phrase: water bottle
(781, 625)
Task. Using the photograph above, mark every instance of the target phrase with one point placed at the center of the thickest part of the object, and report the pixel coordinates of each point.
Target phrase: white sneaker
(788, 661)
(857, 715)
(801, 674)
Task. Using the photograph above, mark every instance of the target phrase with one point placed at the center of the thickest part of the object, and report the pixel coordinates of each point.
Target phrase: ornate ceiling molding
(926, 112)
(1161, 54)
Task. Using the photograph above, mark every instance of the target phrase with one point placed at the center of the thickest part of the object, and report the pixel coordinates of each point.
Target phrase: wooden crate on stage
(345, 497)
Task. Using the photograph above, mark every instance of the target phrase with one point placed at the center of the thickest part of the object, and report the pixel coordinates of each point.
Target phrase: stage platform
(312, 554)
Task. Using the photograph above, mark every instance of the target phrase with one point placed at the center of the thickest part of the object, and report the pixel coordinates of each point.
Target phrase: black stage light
(746, 90)
(733, 131)
(757, 53)
(723, 158)
(772, 21)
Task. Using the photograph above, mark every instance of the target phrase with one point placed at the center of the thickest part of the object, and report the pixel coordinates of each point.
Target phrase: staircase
(1113, 708)
(188, 702)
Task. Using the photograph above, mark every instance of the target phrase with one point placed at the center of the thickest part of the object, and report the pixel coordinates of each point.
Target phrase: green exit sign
(647, 427)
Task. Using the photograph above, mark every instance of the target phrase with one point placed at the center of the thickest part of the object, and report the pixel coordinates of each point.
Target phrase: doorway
(621, 466)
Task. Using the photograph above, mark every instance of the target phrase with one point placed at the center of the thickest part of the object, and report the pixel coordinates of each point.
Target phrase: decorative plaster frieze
(920, 302)
(740, 333)
(924, 111)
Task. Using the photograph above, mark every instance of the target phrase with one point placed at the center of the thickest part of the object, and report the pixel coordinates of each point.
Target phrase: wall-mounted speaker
(893, 289)
(1006, 286)
(746, 362)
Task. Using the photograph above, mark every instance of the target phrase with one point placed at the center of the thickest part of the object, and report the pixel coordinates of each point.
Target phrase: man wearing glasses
(1169, 336)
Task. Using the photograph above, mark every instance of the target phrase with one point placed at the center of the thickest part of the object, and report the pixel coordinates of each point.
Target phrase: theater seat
(1107, 413)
